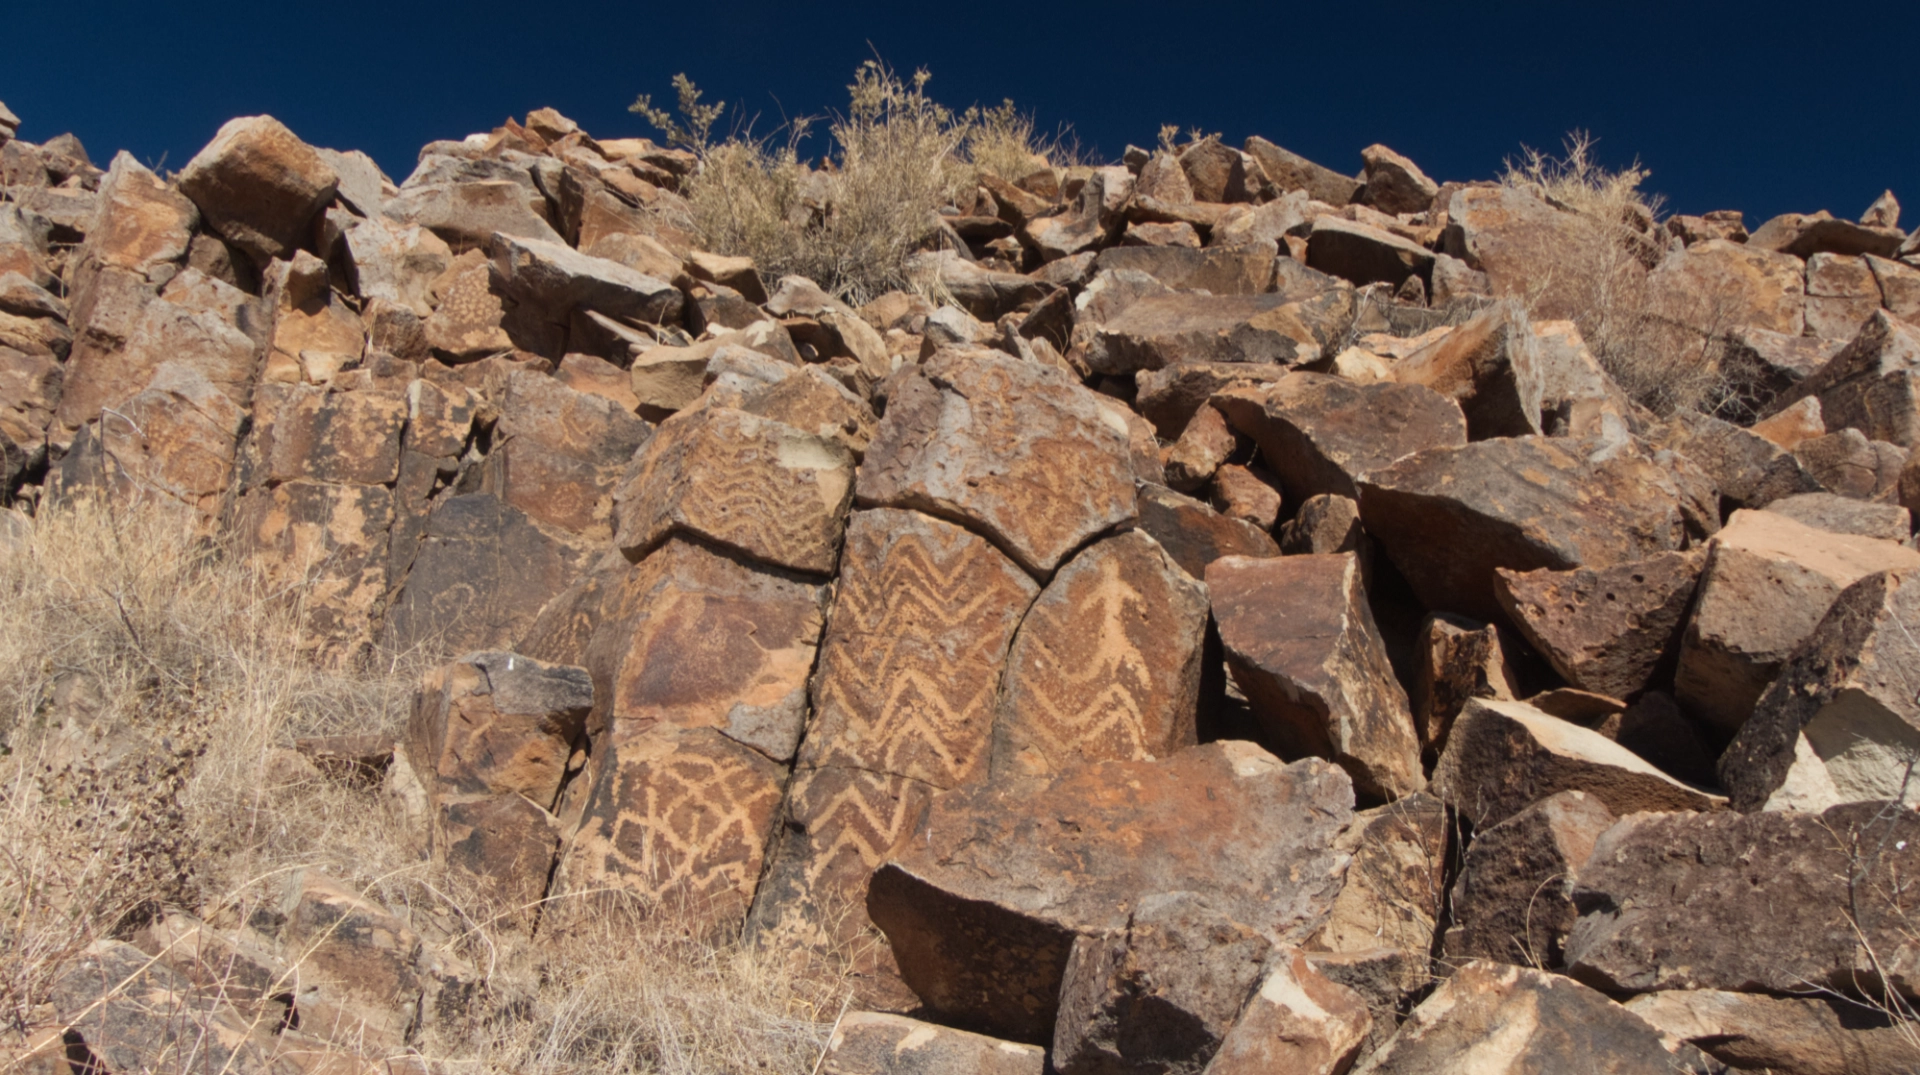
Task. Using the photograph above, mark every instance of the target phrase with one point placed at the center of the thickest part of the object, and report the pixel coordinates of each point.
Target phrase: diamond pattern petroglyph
(914, 649)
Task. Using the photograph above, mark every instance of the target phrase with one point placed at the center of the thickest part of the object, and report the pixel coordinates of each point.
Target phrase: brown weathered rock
(139, 224)
(1607, 630)
(1899, 287)
(397, 262)
(1871, 384)
(1845, 515)
(1018, 450)
(1320, 434)
(1457, 659)
(1491, 367)
(330, 541)
(1768, 582)
(468, 215)
(1361, 254)
(1396, 881)
(482, 572)
(1245, 269)
(1247, 493)
(1523, 244)
(1729, 224)
(358, 976)
(1394, 183)
(1301, 642)
(29, 392)
(1289, 171)
(772, 491)
(1841, 295)
(1794, 426)
(1806, 234)
(1840, 705)
(1324, 524)
(1449, 516)
(491, 736)
(1748, 470)
(1106, 666)
(1505, 1020)
(1169, 397)
(258, 185)
(873, 1043)
(1504, 756)
(1577, 397)
(557, 280)
(1206, 443)
(558, 453)
(1849, 464)
(1194, 534)
(1713, 286)
(984, 903)
(1669, 901)
(1299, 1020)
(1170, 328)
(1093, 219)
(1219, 173)
(1159, 993)
(304, 432)
(1513, 900)
(1813, 1035)
(123, 1008)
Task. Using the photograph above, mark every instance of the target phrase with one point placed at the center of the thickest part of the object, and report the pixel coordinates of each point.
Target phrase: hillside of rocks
(1225, 619)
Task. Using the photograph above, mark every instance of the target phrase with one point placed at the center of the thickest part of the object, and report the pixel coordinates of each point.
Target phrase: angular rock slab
(1513, 900)
(1175, 328)
(330, 542)
(1298, 1021)
(1768, 582)
(922, 620)
(1396, 882)
(258, 185)
(680, 819)
(1847, 697)
(1019, 451)
(1194, 534)
(559, 453)
(1872, 385)
(1321, 433)
(1449, 516)
(1504, 756)
(1301, 643)
(695, 638)
(1609, 630)
(984, 902)
(1106, 666)
(1493, 1019)
(1773, 902)
(1491, 367)
(557, 280)
(874, 1043)
(774, 492)
(1811, 1035)
(1458, 659)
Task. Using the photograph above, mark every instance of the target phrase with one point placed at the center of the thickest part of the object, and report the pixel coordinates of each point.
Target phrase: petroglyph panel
(1107, 663)
(760, 486)
(914, 649)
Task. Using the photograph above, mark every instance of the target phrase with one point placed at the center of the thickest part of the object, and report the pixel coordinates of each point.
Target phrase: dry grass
(1666, 350)
(150, 687)
(898, 157)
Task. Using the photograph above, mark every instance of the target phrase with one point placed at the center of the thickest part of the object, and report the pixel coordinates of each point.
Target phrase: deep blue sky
(1762, 107)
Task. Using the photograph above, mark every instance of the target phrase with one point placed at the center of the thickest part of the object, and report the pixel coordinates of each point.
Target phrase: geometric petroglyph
(695, 636)
(1021, 452)
(772, 491)
(1107, 663)
(914, 649)
(680, 817)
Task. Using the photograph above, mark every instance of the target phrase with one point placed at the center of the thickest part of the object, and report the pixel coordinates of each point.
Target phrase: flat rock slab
(875, 1043)
(1194, 534)
(1810, 1035)
(1301, 642)
(776, 493)
(1494, 1019)
(1319, 433)
(1844, 710)
(1018, 451)
(1503, 756)
(1449, 517)
(1106, 666)
(1772, 902)
(1513, 900)
(1175, 328)
(983, 904)
(559, 280)
(1298, 1021)
(258, 185)
(1607, 630)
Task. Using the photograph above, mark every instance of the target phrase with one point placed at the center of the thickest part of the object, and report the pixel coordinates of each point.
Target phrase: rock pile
(1245, 630)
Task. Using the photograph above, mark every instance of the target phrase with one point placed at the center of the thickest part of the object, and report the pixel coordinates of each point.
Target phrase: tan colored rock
(1491, 366)
(106, 372)
(1504, 756)
(1169, 397)
(985, 901)
(1247, 493)
(874, 1043)
(1751, 1032)
(557, 280)
(1298, 1020)
(303, 432)
(1017, 450)
(1715, 286)
(1607, 630)
(29, 392)
(1577, 397)
(1846, 515)
(1094, 218)
(1524, 246)
(1768, 582)
(1194, 534)
(1301, 642)
(1870, 384)
(559, 454)
(467, 215)
(1168, 329)
(1849, 464)
(1106, 666)
(1362, 254)
(1749, 471)
(1806, 234)
(763, 487)
(1457, 659)
(1792, 426)
(1668, 901)
(1512, 902)
(1449, 516)
(1319, 434)
(1289, 171)
(1394, 183)
(1324, 524)
(329, 542)
(139, 224)
(1245, 269)
(397, 262)
(1841, 295)
(1841, 695)
(258, 185)
(1899, 287)
(1396, 882)
(1504, 1020)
